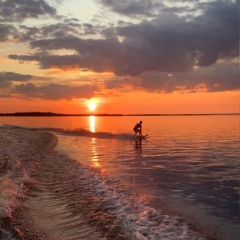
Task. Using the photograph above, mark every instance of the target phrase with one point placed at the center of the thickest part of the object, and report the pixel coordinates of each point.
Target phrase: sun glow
(92, 104)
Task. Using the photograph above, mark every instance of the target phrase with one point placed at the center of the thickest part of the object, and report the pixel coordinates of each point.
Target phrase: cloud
(5, 84)
(154, 8)
(218, 77)
(55, 91)
(68, 27)
(19, 10)
(52, 91)
(53, 61)
(122, 82)
(132, 7)
(148, 51)
(96, 55)
(11, 76)
(166, 44)
(5, 95)
(6, 32)
(217, 30)
(169, 43)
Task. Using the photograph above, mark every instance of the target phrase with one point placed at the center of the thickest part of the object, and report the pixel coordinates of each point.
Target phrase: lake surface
(188, 166)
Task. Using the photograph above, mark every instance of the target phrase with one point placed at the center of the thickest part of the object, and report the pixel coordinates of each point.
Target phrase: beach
(46, 195)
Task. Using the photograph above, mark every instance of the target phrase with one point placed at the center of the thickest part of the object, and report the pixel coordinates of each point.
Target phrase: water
(188, 167)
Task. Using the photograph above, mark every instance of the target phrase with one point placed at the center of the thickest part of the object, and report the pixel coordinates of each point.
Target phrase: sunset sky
(128, 56)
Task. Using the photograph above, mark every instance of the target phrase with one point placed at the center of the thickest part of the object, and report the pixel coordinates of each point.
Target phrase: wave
(79, 131)
(86, 133)
(19, 151)
(81, 198)
(14, 184)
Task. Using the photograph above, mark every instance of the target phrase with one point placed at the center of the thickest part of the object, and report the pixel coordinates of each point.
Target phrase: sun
(92, 104)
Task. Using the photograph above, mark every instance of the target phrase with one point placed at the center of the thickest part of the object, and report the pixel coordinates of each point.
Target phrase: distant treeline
(51, 114)
(37, 114)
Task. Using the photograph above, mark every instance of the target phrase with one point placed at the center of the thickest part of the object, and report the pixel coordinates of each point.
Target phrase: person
(138, 128)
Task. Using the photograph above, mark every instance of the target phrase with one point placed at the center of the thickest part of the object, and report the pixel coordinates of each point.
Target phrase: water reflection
(92, 123)
(94, 158)
(138, 147)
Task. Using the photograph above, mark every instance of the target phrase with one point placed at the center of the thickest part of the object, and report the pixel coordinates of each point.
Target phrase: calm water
(188, 166)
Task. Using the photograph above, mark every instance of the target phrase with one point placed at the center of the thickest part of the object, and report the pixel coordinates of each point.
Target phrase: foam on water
(76, 194)
(12, 194)
(138, 220)
(13, 184)
(86, 133)
(79, 132)
(15, 180)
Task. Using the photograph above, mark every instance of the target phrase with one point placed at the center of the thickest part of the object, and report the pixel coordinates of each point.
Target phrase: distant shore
(51, 114)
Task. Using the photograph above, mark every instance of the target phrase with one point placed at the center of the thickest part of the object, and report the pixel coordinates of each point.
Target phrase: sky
(111, 56)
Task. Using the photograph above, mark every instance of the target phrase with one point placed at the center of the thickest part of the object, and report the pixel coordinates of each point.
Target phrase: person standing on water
(138, 129)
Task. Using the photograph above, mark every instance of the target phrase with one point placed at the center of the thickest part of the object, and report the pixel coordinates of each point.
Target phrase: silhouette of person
(138, 129)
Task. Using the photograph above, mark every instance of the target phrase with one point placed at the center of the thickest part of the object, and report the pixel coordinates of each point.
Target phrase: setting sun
(91, 103)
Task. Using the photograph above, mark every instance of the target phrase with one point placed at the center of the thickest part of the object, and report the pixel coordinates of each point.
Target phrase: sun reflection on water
(92, 123)
(94, 158)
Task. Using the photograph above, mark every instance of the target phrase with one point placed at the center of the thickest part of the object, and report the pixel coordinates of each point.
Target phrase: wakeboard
(142, 137)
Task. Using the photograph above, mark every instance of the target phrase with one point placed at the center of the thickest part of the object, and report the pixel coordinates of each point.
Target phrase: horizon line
(50, 114)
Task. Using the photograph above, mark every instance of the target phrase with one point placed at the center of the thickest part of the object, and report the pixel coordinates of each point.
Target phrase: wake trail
(53, 195)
